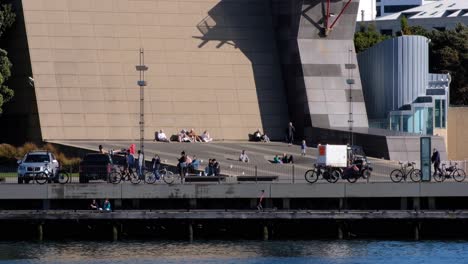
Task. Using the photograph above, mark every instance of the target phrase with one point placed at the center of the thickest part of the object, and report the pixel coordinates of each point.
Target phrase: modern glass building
(399, 92)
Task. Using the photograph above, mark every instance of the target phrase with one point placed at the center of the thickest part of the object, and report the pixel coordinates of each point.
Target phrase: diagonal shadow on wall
(248, 27)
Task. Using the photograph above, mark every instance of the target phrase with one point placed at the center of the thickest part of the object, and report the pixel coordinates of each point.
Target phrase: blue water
(225, 252)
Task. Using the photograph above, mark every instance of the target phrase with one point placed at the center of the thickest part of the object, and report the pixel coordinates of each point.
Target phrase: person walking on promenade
(436, 161)
(290, 133)
(260, 200)
(303, 148)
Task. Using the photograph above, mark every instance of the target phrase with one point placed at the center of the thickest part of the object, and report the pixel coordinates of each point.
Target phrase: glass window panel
(429, 122)
(443, 113)
(437, 113)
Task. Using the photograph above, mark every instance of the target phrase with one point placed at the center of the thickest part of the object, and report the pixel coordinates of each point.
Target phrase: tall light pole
(142, 83)
(350, 66)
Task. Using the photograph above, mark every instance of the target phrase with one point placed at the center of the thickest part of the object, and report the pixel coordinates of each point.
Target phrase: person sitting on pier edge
(107, 206)
(243, 157)
(216, 168)
(94, 205)
(194, 164)
(205, 137)
(155, 165)
(209, 168)
(161, 136)
(182, 164)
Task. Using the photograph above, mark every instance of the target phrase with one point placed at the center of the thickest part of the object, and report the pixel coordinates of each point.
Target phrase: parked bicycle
(452, 171)
(328, 173)
(48, 176)
(123, 174)
(166, 175)
(407, 169)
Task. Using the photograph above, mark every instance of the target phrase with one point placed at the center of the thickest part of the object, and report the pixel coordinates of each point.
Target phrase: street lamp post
(142, 83)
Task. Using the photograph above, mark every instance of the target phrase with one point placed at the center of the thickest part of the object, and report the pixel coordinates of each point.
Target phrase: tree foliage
(7, 18)
(367, 37)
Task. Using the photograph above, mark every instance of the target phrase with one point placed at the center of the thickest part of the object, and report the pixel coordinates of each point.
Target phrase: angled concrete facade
(228, 66)
(211, 66)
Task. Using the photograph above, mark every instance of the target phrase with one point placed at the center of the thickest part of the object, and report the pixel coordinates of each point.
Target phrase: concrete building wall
(457, 134)
(212, 65)
(394, 73)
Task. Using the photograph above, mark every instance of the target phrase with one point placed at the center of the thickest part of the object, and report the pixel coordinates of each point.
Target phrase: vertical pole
(256, 180)
(293, 176)
(417, 231)
(115, 232)
(40, 232)
(142, 105)
(340, 231)
(327, 16)
(190, 232)
(265, 233)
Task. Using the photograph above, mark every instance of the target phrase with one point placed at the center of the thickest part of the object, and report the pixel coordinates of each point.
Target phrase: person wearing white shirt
(162, 136)
(243, 157)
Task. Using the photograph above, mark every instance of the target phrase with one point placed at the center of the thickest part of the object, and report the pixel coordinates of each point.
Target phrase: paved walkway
(227, 154)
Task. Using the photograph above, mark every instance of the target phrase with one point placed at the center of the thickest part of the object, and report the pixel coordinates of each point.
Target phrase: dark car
(95, 166)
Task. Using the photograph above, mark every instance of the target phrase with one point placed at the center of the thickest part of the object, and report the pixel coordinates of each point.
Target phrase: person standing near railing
(436, 161)
(156, 164)
(260, 200)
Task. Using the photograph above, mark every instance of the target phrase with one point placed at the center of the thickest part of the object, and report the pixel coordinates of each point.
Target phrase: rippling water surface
(209, 252)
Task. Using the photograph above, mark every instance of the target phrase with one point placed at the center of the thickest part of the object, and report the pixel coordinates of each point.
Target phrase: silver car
(36, 162)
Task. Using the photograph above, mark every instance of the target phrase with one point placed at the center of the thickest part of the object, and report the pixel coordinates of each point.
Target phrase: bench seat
(256, 178)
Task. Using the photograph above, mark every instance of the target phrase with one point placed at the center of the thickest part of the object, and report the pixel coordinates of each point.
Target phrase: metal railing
(238, 172)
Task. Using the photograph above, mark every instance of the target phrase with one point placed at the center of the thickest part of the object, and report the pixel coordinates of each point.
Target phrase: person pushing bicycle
(436, 161)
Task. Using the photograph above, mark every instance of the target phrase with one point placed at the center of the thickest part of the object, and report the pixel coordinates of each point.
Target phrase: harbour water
(226, 252)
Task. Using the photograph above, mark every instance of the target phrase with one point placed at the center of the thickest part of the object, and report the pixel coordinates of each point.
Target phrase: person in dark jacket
(182, 164)
(156, 165)
(436, 161)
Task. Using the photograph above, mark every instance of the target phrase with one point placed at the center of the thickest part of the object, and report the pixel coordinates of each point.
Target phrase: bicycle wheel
(396, 175)
(332, 176)
(63, 177)
(115, 177)
(367, 173)
(459, 175)
(150, 178)
(311, 176)
(438, 176)
(134, 177)
(416, 175)
(352, 179)
(168, 176)
(41, 178)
